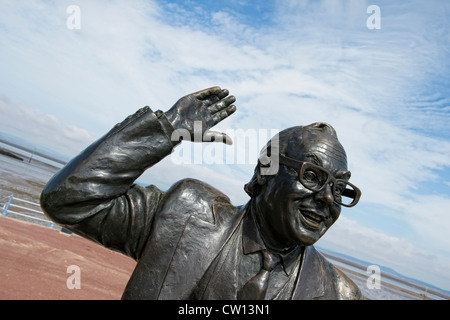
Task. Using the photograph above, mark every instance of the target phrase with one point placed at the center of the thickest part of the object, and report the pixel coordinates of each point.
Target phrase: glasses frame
(299, 165)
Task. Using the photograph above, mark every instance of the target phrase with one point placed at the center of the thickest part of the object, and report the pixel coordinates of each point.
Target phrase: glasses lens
(313, 177)
(345, 193)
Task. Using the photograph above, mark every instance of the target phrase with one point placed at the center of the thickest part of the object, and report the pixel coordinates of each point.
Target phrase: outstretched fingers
(218, 102)
(212, 99)
(205, 93)
(223, 114)
(222, 109)
(223, 93)
(221, 104)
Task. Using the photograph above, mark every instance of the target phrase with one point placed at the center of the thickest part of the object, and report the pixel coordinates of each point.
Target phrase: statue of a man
(190, 242)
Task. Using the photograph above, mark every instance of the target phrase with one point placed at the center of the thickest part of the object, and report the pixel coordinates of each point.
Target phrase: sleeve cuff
(166, 126)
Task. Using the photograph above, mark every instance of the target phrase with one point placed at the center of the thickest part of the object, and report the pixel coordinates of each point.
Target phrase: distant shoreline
(384, 283)
(10, 154)
(19, 156)
(388, 276)
(32, 151)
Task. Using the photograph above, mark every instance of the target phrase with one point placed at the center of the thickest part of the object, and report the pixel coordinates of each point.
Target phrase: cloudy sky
(68, 74)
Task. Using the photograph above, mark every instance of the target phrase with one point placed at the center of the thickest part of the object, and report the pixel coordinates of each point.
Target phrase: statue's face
(292, 214)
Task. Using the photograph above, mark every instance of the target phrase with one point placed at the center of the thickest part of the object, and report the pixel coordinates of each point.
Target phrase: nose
(325, 196)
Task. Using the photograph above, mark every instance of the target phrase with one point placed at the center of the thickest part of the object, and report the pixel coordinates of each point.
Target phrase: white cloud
(429, 219)
(43, 130)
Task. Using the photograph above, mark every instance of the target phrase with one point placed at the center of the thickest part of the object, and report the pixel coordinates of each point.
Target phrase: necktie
(256, 287)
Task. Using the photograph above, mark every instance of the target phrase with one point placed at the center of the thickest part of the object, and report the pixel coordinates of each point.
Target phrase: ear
(254, 185)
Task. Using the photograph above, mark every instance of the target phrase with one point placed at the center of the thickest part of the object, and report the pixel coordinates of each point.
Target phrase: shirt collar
(252, 242)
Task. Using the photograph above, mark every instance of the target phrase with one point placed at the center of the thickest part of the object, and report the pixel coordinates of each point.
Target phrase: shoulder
(195, 191)
(345, 288)
(194, 197)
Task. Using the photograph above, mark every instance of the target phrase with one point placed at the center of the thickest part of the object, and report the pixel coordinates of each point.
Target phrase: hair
(285, 138)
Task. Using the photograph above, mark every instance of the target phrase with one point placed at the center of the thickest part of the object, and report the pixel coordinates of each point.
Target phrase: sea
(24, 171)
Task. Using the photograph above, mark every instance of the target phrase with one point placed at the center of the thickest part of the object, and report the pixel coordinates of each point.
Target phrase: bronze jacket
(175, 235)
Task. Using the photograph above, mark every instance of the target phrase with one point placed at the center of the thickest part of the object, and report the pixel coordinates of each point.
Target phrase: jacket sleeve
(94, 195)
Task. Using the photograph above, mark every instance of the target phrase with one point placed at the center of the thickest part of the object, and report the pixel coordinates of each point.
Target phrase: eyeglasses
(315, 178)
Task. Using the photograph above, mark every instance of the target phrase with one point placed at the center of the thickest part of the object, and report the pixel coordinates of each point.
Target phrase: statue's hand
(196, 113)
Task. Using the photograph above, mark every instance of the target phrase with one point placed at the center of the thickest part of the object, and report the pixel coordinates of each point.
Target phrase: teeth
(312, 216)
(310, 219)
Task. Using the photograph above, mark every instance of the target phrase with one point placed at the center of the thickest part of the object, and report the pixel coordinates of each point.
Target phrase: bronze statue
(190, 242)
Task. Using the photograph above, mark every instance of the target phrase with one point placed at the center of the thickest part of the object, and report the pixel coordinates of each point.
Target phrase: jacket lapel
(199, 244)
(310, 282)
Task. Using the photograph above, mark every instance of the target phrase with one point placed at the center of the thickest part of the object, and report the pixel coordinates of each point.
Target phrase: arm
(94, 194)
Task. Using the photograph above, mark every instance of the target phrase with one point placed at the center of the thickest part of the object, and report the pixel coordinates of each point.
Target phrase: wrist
(167, 123)
(171, 117)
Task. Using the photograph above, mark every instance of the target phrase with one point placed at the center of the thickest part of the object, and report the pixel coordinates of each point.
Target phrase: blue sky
(385, 91)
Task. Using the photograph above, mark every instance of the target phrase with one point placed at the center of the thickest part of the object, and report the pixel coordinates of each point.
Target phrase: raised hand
(196, 113)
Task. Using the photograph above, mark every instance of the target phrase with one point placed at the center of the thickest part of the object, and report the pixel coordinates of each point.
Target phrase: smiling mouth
(311, 220)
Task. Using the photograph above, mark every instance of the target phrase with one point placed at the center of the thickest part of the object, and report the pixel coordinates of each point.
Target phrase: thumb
(215, 136)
